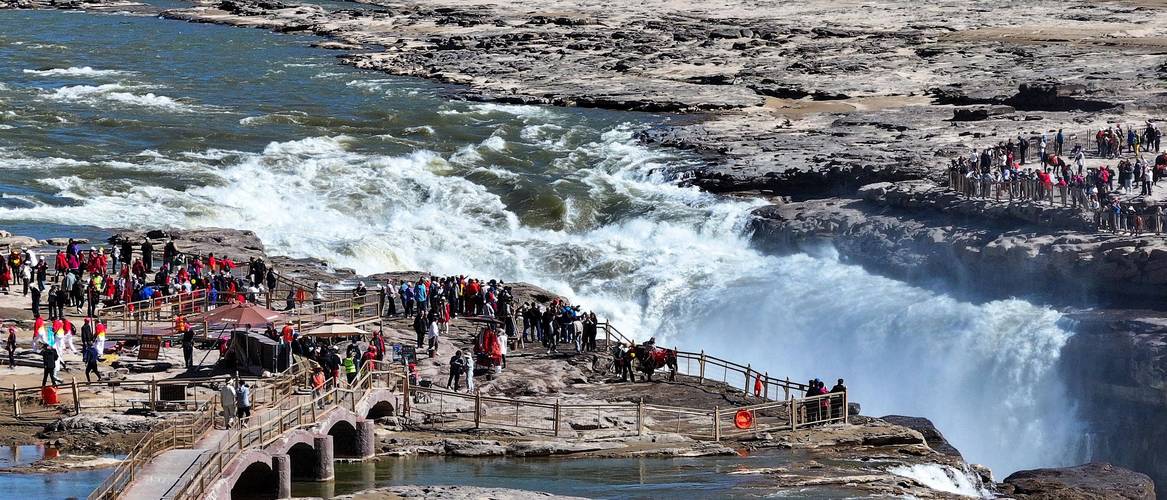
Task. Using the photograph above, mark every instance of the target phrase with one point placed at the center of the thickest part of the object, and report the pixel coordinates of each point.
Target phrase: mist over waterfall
(985, 374)
(381, 174)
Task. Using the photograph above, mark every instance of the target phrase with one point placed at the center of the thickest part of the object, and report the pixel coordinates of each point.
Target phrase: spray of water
(675, 264)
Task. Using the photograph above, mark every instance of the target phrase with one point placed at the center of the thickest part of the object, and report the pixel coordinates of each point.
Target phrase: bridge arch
(378, 403)
(303, 460)
(381, 409)
(255, 477)
(345, 442)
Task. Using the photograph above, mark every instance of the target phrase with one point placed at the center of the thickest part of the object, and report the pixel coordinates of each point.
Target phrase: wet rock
(101, 424)
(1089, 481)
(451, 493)
(18, 242)
(60, 242)
(473, 448)
(235, 243)
(977, 113)
(1054, 96)
(547, 448)
(916, 230)
(925, 427)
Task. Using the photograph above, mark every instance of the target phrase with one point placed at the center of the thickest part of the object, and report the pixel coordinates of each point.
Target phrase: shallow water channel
(48, 485)
(708, 477)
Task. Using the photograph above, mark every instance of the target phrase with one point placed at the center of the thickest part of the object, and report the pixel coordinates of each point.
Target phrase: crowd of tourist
(432, 302)
(83, 282)
(80, 283)
(1107, 192)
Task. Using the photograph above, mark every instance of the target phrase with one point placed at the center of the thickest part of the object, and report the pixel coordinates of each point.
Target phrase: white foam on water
(85, 71)
(941, 478)
(148, 99)
(211, 154)
(520, 110)
(12, 161)
(384, 86)
(43, 46)
(679, 266)
(74, 92)
(294, 117)
(539, 131)
(117, 92)
(467, 155)
(496, 171)
(422, 130)
(494, 143)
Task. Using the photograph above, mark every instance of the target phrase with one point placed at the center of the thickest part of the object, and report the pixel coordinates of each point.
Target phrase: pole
(747, 386)
(846, 409)
(15, 402)
(76, 399)
(717, 423)
(153, 394)
(405, 389)
(766, 387)
(640, 417)
(557, 417)
(477, 408)
(701, 363)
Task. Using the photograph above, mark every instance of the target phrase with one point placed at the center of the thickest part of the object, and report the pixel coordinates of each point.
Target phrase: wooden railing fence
(185, 431)
(289, 411)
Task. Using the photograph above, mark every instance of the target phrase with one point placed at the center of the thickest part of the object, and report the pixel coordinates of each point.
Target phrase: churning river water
(123, 121)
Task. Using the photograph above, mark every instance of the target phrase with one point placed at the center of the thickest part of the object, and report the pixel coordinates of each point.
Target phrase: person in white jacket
(227, 400)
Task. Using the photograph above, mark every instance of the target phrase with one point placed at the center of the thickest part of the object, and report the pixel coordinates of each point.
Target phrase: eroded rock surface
(1089, 481)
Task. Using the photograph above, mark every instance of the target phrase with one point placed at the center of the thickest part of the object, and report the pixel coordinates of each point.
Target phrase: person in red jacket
(369, 357)
(287, 333)
(62, 263)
